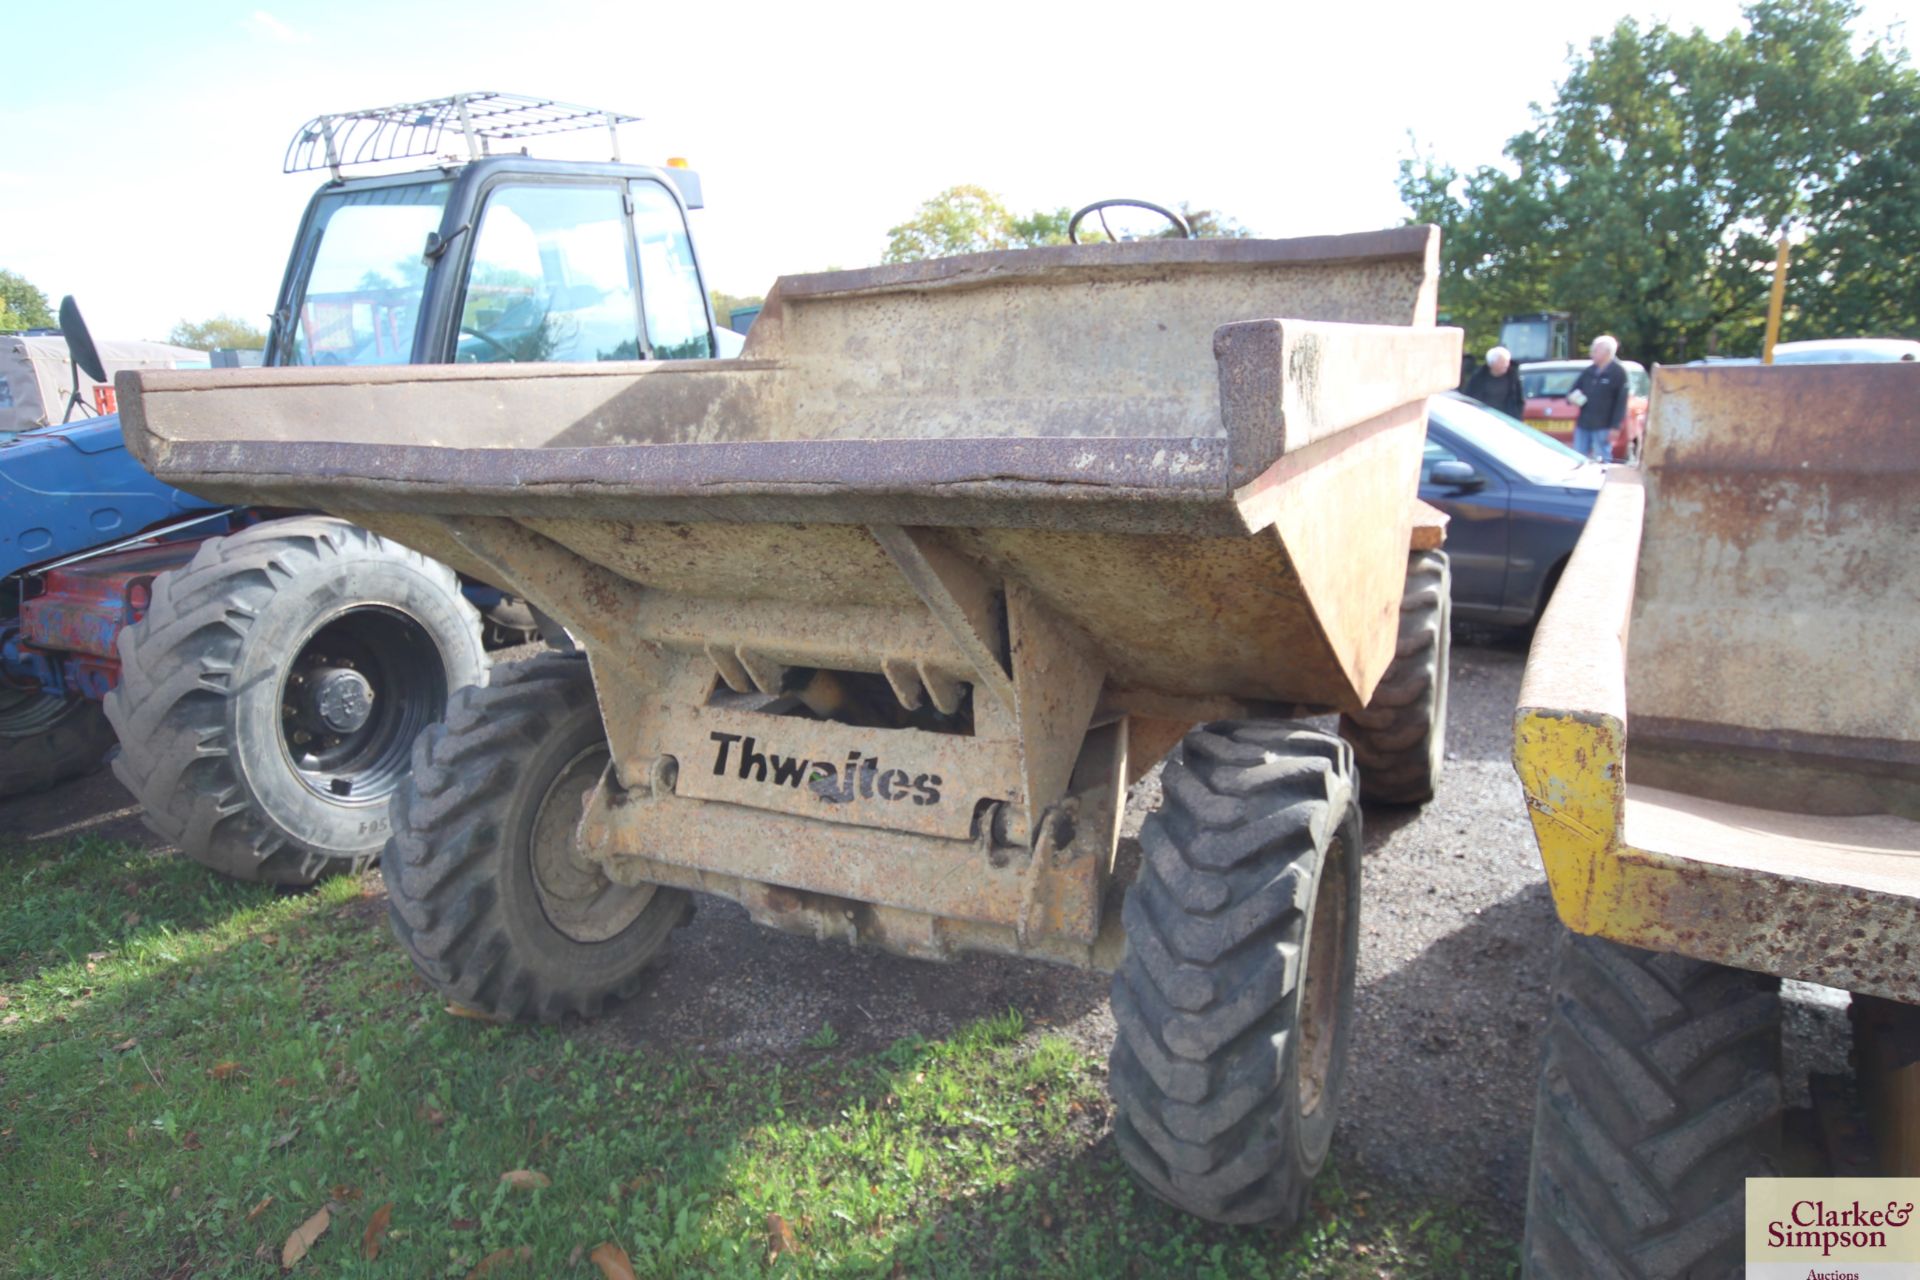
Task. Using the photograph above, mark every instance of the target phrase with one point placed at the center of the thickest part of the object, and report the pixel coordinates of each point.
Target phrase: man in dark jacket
(1496, 384)
(1601, 393)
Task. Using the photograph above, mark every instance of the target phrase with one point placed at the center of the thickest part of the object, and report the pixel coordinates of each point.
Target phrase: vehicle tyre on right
(1660, 1094)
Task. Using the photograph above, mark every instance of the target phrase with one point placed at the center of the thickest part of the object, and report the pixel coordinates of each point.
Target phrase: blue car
(1518, 500)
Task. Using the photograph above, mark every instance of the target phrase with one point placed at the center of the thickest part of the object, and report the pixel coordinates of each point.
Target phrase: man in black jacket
(1496, 384)
(1601, 393)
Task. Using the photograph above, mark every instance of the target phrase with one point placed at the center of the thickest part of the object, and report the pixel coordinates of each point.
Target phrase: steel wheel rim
(393, 660)
(1320, 984)
(27, 712)
(575, 895)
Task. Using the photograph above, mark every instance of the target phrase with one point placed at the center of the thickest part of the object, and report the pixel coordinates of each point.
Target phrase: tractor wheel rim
(359, 690)
(575, 894)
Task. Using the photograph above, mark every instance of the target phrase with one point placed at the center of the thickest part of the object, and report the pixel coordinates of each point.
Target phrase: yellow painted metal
(1775, 302)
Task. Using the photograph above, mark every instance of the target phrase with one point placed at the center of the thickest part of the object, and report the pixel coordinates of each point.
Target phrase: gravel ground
(1456, 927)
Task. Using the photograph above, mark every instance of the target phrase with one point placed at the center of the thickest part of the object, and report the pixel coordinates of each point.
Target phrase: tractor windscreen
(358, 299)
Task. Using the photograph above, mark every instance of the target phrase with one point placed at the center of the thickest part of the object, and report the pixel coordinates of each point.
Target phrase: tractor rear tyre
(269, 699)
(1235, 998)
(1400, 739)
(1660, 1094)
(46, 740)
(485, 883)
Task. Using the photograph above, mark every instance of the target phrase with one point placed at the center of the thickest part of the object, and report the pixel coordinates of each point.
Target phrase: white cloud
(263, 24)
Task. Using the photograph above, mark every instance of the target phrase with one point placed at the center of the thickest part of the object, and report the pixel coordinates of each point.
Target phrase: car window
(1512, 444)
(1638, 383)
(1548, 382)
(551, 279)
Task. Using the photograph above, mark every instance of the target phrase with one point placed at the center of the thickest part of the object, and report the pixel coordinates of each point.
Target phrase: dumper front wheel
(1400, 739)
(1233, 1003)
(269, 699)
(485, 884)
(1660, 1094)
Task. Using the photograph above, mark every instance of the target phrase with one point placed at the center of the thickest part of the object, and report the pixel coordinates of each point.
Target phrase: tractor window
(360, 300)
(670, 287)
(551, 279)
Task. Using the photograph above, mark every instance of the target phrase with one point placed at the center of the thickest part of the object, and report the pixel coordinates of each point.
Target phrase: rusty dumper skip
(883, 617)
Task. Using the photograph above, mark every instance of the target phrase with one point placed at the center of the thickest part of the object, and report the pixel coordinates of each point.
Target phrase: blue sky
(141, 143)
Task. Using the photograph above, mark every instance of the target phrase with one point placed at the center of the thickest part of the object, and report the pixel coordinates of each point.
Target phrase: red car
(1547, 382)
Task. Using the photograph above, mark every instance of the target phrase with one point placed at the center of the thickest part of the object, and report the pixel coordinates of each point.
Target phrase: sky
(141, 143)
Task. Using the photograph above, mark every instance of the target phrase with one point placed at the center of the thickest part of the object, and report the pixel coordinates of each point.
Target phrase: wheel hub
(342, 699)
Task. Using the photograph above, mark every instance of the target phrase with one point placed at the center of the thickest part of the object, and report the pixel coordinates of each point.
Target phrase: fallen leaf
(96, 955)
(259, 1209)
(341, 1193)
(284, 1082)
(466, 1224)
(284, 1139)
(9, 1020)
(190, 1141)
(130, 1042)
(525, 1179)
(89, 966)
(5, 1001)
(573, 1259)
(132, 918)
(271, 939)
(432, 1116)
(376, 1231)
(90, 1150)
(303, 1237)
(500, 1260)
(464, 1011)
(175, 1193)
(779, 1237)
(612, 1261)
(226, 1070)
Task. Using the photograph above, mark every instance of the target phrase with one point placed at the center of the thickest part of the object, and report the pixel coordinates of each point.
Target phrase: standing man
(1601, 393)
(1496, 384)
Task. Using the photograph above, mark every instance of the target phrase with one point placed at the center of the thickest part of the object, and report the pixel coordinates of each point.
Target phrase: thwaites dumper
(883, 617)
(1765, 823)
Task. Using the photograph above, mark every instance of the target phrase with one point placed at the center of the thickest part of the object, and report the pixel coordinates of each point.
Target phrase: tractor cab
(488, 258)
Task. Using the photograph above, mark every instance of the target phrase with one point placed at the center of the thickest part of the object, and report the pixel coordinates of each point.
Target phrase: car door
(1477, 534)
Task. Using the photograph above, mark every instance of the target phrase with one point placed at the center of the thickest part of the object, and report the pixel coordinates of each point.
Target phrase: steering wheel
(504, 350)
(1099, 207)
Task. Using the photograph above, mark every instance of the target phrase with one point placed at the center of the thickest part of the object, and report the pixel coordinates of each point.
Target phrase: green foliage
(1645, 197)
(971, 219)
(221, 331)
(190, 1068)
(725, 304)
(22, 306)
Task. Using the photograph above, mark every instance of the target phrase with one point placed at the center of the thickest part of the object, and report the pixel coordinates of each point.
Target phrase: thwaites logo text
(861, 776)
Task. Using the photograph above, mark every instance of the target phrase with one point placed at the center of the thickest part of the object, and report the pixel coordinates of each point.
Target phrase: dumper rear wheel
(1400, 739)
(269, 699)
(46, 740)
(485, 884)
(1233, 1003)
(1660, 1094)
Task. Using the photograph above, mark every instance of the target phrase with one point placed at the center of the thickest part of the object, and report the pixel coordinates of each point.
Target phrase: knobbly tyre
(880, 620)
(1768, 828)
(266, 671)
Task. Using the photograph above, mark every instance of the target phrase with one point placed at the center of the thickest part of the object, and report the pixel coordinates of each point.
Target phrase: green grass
(176, 1050)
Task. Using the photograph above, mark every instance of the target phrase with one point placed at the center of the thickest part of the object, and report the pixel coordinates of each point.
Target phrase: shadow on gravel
(1438, 1070)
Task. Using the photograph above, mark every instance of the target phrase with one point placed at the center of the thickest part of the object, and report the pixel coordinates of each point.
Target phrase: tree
(971, 219)
(22, 306)
(725, 304)
(221, 331)
(1646, 197)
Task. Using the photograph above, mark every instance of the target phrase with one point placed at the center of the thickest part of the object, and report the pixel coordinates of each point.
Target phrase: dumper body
(1719, 739)
(1050, 508)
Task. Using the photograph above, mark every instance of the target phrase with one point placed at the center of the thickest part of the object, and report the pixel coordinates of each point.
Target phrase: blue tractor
(264, 672)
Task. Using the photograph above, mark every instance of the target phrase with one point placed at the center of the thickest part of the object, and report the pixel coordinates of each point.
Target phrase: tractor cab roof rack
(417, 128)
